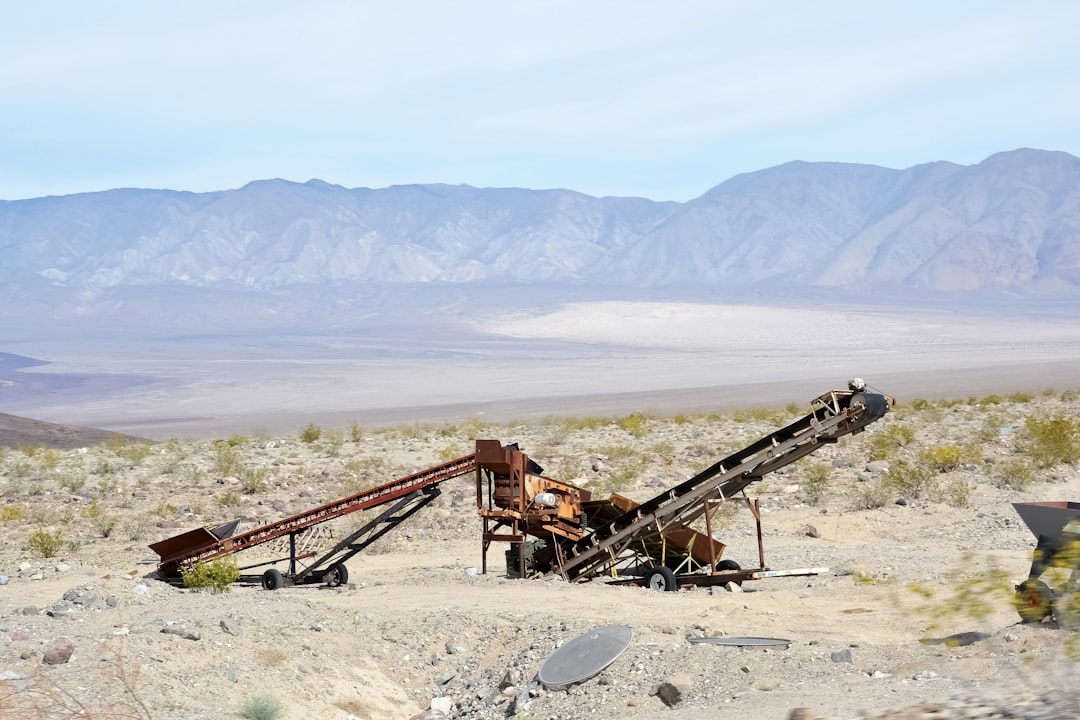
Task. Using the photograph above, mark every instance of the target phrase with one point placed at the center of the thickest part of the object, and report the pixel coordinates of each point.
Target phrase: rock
(181, 631)
(669, 693)
(445, 678)
(58, 652)
(842, 656)
(733, 587)
(231, 626)
(812, 531)
(429, 715)
(443, 704)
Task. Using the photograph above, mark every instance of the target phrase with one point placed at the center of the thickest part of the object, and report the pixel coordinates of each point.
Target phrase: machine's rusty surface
(550, 525)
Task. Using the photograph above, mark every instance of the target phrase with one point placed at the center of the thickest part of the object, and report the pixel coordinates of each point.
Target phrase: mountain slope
(1009, 224)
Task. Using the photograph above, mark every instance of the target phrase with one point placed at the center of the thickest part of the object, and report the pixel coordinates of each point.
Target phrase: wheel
(272, 580)
(1033, 598)
(661, 579)
(337, 575)
(728, 565)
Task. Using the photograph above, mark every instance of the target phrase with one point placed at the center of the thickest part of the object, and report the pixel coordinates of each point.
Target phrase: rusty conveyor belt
(832, 416)
(201, 544)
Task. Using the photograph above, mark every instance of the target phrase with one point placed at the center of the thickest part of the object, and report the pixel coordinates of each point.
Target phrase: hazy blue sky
(658, 99)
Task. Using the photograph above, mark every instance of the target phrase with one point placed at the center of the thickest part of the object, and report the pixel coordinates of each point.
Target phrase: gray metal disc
(740, 641)
(585, 656)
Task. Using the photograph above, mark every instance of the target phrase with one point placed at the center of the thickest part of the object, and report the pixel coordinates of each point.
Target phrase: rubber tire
(728, 565)
(272, 580)
(1033, 600)
(661, 579)
(337, 575)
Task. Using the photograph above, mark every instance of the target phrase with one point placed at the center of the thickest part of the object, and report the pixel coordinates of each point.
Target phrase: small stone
(812, 531)
(182, 632)
(669, 694)
(443, 704)
(445, 677)
(231, 626)
(842, 656)
(733, 587)
(58, 652)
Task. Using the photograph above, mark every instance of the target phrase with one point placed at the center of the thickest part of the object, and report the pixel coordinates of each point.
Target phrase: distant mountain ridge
(1009, 224)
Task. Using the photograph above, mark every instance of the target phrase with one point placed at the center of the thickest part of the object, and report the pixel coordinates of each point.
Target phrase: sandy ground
(582, 359)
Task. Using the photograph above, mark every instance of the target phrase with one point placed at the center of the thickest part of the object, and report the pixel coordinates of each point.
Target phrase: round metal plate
(740, 641)
(585, 656)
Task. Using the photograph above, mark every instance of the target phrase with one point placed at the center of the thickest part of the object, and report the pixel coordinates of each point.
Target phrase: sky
(662, 100)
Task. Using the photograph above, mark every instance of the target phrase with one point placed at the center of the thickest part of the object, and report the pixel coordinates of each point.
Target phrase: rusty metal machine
(551, 526)
(1056, 527)
(653, 542)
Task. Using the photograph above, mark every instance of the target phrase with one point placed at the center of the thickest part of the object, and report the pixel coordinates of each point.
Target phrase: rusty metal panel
(184, 545)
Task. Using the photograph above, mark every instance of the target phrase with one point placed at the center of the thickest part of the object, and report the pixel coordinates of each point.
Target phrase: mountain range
(1009, 225)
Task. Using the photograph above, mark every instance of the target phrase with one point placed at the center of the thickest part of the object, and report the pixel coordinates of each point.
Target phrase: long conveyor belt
(202, 545)
(832, 416)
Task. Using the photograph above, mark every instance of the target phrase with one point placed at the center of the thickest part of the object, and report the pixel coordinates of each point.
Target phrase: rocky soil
(912, 519)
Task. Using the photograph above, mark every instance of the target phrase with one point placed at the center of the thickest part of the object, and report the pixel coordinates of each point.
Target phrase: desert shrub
(29, 450)
(587, 423)
(991, 428)
(637, 424)
(356, 433)
(941, 458)
(869, 495)
(772, 416)
(103, 521)
(134, 453)
(909, 480)
(72, 482)
(451, 452)
(815, 480)
(989, 400)
(227, 460)
(1052, 441)
(332, 442)
(252, 480)
(956, 492)
(165, 510)
(229, 498)
(311, 433)
(261, 707)
(883, 442)
(216, 575)
(44, 543)
(1020, 397)
(135, 528)
(1014, 473)
(12, 513)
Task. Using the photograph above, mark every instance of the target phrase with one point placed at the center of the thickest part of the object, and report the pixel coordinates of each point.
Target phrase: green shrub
(1020, 397)
(883, 442)
(870, 495)
(229, 498)
(252, 480)
(637, 424)
(356, 433)
(227, 460)
(1052, 441)
(103, 521)
(12, 513)
(44, 543)
(216, 575)
(941, 458)
(261, 707)
(1014, 473)
(311, 433)
(816, 480)
(910, 481)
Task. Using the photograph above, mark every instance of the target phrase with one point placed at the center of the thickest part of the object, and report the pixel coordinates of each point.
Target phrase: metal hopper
(1056, 527)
